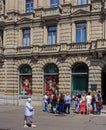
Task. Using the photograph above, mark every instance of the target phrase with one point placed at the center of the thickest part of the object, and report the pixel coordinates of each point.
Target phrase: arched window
(51, 79)
(80, 78)
(51, 68)
(25, 80)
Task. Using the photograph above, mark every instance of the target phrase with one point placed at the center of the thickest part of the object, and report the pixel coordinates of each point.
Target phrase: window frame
(81, 29)
(25, 43)
(25, 80)
(53, 33)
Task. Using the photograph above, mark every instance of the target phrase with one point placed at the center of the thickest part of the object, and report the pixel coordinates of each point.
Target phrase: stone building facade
(51, 45)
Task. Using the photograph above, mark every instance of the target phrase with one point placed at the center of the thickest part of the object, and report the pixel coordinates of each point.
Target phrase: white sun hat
(29, 99)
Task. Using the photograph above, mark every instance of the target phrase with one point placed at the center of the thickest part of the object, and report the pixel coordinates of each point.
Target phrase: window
(81, 32)
(25, 80)
(29, 6)
(51, 79)
(54, 3)
(82, 2)
(26, 37)
(52, 35)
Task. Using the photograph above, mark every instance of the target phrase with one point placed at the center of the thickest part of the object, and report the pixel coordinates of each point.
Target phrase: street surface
(11, 118)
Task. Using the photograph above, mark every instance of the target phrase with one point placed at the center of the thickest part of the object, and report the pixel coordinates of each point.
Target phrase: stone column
(58, 32)
(11, 5)
(66, 1)
(39, 3)
(45, 34)
(20, 37)
(21, 5)
(31, 36)
(88, 31)
(73, 32)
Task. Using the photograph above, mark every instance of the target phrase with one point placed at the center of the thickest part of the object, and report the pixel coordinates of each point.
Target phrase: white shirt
(28, 109)
(45, 98)
(88, 99)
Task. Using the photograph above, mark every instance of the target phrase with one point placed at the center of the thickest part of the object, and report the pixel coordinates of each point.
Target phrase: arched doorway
(104, 85)
(51, 73)
(25, 80)
(79, 78)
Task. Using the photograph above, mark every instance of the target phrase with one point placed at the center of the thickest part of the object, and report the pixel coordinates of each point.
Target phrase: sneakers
(25, 126)
(33, 126)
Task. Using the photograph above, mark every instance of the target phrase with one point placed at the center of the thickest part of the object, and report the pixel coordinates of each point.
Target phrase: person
(99, 105)
(45, 98)
(82, 106)
(54, 104)
(67, 103)
(77, 109)
(28, 114)
(93, 103)
(88, 102)
(61, 104)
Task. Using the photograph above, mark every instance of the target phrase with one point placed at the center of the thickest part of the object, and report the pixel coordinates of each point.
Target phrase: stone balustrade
(67, 47)
(51, 11)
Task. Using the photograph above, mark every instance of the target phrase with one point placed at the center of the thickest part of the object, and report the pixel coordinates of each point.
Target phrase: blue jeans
(98, 111)
(46, 106)
(61, 108)
(54, 108)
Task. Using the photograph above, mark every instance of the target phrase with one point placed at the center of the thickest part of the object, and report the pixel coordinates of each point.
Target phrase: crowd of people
(63, 103)
(87, 103)
(80, 103)
(59, 103)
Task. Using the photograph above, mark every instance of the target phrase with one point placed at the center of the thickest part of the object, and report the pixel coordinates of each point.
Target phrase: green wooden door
(80, 78)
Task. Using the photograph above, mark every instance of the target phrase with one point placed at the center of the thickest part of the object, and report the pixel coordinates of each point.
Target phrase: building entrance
(79, 78)
(104, 86)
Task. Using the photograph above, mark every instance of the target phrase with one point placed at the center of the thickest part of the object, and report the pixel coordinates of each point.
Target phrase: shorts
(88, 105)
(28, 119)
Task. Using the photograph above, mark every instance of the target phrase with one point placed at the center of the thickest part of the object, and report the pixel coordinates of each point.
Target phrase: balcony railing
(24, 50)
(47, 12)
(29, 15)
(63, 48)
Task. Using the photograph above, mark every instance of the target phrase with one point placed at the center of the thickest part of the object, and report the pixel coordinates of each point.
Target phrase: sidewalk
(11, 118)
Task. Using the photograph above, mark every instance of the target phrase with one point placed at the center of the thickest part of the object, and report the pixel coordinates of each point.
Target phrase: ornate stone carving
(96, 7)
(66, 10)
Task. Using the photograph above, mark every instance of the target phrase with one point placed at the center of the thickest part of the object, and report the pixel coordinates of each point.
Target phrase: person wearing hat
(28, 114)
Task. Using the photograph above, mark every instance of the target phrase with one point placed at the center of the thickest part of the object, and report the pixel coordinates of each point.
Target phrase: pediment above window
(80, 12)
(24, 20)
